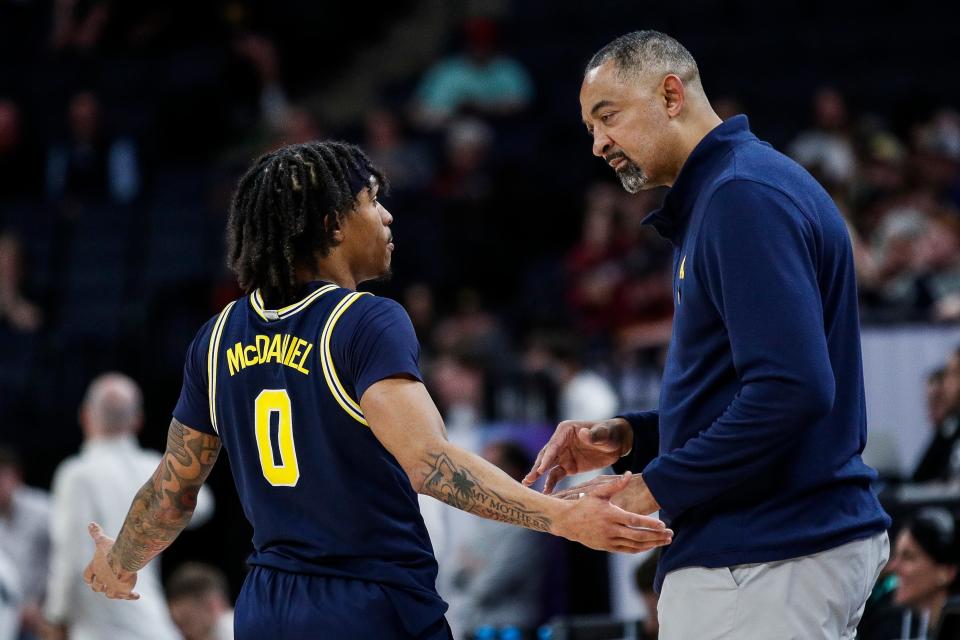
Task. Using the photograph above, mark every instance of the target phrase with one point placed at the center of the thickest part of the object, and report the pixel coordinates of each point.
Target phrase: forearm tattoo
(456, 486)
(165, 503)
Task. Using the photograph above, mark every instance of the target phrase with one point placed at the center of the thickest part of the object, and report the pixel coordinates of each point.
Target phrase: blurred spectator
(10, 598)
(941, 462)
(643, 578)
(19, 312)
(79, 27)
(939, 253)
(593, 269)
(475, 333)
(465, 175)
(916, 247)
(98, 485)
(90, 163)
(636, 375)
(926, 560)
(480, 80)
(419, 303)
(260, 52)
(645, 314)
(937, 158)
(25, 538)
(200, 602)
(298, 126)
(938, 406)
(826, 149)
(407, 164)
(458, 381)
(584, 394)
(497, 570)
(262, 116)
(881, 174)
(19, 164)
(464, 191)
(619, 272)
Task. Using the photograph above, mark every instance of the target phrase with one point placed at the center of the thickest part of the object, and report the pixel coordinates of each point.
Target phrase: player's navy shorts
(295, 606)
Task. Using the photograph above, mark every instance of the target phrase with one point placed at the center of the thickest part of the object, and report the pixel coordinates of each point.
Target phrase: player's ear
(332, 221)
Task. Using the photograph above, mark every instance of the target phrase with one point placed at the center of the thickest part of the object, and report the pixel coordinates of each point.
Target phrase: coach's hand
(595, 522)
(635, 497)
(102, 576)
(578, 446)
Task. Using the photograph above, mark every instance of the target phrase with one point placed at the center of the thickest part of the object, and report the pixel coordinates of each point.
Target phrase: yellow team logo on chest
(683, 264)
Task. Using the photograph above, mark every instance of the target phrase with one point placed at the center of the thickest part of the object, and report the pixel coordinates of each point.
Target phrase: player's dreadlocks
(287, 207)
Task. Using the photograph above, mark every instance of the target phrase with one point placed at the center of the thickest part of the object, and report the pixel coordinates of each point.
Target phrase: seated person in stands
(926, 561)
(941, 462)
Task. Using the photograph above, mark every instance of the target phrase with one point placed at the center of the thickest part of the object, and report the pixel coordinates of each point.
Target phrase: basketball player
(314, 390)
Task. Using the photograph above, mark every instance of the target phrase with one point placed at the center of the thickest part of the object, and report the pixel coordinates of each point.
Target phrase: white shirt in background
(10, 598)
(25, 539)
(98, 485)
(588, 396)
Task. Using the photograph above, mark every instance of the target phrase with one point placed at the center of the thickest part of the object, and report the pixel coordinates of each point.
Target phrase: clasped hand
(579, 446)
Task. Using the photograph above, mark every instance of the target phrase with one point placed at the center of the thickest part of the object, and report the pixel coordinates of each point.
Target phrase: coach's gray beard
(632, 177)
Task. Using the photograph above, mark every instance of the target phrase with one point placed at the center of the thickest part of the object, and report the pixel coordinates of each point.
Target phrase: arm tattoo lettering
(456, 486)
(165, 503)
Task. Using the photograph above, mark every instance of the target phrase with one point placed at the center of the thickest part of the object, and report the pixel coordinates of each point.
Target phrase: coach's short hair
(647, 51)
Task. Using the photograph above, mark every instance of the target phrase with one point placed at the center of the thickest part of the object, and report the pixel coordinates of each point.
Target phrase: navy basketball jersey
(281, 390)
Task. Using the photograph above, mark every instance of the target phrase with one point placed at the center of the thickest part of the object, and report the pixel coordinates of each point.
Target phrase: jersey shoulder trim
(212, 349)
(256, 303)
(351, 406)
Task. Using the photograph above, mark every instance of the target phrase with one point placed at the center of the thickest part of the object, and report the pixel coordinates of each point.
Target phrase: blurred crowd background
(536, 292)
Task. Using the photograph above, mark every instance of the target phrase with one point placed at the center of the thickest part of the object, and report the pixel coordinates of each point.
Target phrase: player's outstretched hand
(102, 576)
(577, 446)
(594, 521)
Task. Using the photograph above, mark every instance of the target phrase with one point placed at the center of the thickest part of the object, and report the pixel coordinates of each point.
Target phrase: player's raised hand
(102, 576)
(594, 521)
(577, 446)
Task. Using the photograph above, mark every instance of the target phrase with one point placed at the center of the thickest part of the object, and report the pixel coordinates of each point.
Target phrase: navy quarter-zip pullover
(762, 421)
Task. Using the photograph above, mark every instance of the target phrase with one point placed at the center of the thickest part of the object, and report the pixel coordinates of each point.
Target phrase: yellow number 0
(287, 473)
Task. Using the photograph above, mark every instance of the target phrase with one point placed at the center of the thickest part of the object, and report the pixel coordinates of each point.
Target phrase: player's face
(920, 579)
(629, 126)
(367, 233)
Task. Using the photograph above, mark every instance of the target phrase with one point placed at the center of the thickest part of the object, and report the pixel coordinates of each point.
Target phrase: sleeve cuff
(655, 484)
(646, 441)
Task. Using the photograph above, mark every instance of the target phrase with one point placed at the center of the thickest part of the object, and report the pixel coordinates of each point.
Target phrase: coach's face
(631, 120)
(367, 235)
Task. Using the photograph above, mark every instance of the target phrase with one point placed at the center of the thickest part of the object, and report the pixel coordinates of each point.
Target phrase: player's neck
(334, 271)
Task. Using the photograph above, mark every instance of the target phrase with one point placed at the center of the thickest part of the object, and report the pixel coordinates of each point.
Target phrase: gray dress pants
(820, 596)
